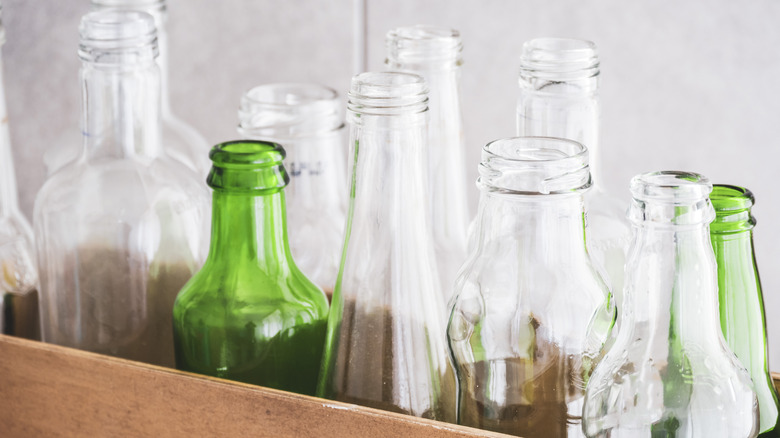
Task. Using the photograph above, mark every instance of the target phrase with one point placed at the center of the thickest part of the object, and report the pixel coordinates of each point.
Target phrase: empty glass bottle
(670, 372)
(559, 80)
(435, 53)
(250, 314)
(18, 277)
(120, 229)
(739, 290)
(385, 346)
(530, 313)
(180, 140)
(306, 119)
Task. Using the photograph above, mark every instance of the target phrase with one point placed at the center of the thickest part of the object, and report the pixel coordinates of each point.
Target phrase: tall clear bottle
(307, 120)
(530, 313)
(670, 372)
(18, 278)
(385, 346)
(180, 140)
(559, 97)
(120, 229)
(435, 53)
(741, 307)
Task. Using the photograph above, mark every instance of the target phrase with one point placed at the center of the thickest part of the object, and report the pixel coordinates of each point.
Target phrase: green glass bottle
(250, 314)
(739, 292)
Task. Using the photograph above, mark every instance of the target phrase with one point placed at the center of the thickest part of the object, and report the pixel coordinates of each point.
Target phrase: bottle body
(385, 346)
(249, 314)
(559, 81)
(531, 313)
(670, 372)
(306, 119)
(435, 54)
(121, 229)
(741, 307)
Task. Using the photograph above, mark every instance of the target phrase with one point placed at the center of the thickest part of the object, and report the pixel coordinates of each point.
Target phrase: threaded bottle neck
(118, 38)
(389, 95)
(558, 59)
(670, 198)
(423, 47)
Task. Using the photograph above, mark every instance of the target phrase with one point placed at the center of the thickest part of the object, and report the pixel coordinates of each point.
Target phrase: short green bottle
(742, 317)
(250, 314)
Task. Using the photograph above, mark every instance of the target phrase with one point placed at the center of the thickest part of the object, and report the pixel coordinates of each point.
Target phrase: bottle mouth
(671, 197)
(157, 8)
(387, 94)
(534, 166)
(423, 45)
(248, 166)
(117, 37)
(732, 206)
(559, 58)
(289, 110)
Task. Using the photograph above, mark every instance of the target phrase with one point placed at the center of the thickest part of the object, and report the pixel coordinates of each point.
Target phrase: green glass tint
(250, 314)
(741, 303)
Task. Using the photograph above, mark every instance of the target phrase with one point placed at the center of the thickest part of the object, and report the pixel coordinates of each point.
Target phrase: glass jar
(120, 229)
(306, 119)
(435, 53)
(559, 97)
(530, 313)
(18, 276)
(670, 372)
(385, 346)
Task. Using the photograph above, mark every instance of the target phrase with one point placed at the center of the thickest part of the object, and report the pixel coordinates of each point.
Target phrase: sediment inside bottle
(20, 314)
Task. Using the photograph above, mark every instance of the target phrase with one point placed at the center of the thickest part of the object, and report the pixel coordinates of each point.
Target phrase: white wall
(685, 85)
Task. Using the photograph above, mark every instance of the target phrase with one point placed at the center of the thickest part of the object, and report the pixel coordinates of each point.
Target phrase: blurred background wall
(685, 85)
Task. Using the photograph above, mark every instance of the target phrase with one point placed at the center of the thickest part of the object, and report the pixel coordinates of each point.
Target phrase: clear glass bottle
(250, 314)
(741, 307)
(385, 346)
(670, 372)
(19, 305)
(120, 229)
(435, 53)
(307, 120)
(530, 313)
(180, 140)
(559, 97)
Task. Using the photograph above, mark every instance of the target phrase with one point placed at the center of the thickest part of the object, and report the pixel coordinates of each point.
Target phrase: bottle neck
(248, 228)
(162, 62)
(121, 117)
(550, 226)
(9, 203)
(671, 285)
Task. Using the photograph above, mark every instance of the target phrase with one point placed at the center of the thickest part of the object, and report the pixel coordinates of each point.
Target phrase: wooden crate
(48, 390)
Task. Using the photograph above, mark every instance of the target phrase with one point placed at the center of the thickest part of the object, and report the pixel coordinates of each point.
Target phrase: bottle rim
(561, 58)
(110, 36)
(678, 187)
(247, 154)
(282, 110)
(248, 166)
(732, 206)
(387, 94)
(423, 45)
(534, 166)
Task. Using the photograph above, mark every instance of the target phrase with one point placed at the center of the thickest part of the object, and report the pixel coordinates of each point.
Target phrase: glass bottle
(670, 372)
(739, 290)
(306, 119)
(250, 314)
(435, 53)
(19, 305)
(385, 346)
(559, 81)
(120, 229)
(180, 140)
(530, 313)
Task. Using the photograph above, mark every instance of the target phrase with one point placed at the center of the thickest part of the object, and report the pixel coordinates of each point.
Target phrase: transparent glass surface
(742, 318)
(559, 97)
(122, 228)
(435, 54)
(530, 313)
(307, 120)
(181, 141)
(250, 314)
(385, 346)
(670, 372)
(18, 274)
